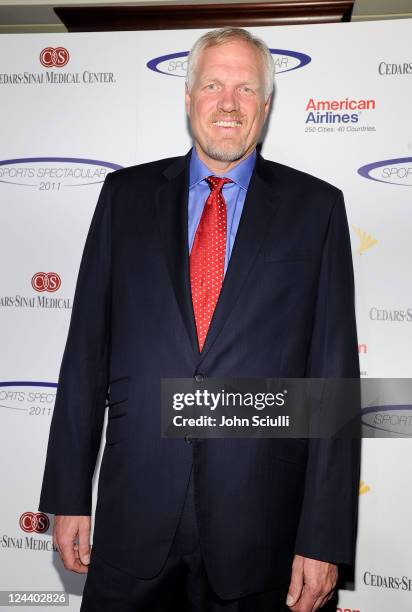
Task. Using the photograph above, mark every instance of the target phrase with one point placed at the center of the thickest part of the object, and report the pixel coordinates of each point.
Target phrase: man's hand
(312, 584)
(71, 535)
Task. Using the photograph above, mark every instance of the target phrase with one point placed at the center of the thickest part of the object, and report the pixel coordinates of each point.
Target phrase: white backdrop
(343, 99)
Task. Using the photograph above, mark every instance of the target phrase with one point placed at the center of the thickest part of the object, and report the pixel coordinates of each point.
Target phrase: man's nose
(228, 100)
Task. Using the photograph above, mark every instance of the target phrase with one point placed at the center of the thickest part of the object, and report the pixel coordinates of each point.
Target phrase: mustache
(234, 116)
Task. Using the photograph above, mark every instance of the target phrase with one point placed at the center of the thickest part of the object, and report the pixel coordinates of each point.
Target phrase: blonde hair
(223, 35)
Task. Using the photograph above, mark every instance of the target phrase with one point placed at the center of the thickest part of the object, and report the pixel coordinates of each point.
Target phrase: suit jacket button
(199, 377)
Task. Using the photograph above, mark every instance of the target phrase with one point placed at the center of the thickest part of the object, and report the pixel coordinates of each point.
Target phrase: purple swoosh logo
(392, 171)
(22, 171)
(16, 395)
(174, 64)
(389, 418)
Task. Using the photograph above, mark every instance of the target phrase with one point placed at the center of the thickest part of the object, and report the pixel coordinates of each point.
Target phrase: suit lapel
(171, 203)
(258, 212)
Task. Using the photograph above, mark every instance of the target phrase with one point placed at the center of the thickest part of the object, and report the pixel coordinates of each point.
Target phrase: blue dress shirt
(234, 194)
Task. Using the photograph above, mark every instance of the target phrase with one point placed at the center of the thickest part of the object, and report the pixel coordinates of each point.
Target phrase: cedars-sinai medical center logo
(175, 64)
(36, 535)
(37, 522)
(52, 69)
(54, 57)
(393, 171)
(42, 283)
(46, 281)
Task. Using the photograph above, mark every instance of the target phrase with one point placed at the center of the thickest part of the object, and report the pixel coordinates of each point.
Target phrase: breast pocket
(117, 416)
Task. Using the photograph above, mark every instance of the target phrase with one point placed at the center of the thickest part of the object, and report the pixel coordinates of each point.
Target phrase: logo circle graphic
(74, 171)
(175, 64)
(54, 57)
(34, 521)
(392, 171)
(46, 281)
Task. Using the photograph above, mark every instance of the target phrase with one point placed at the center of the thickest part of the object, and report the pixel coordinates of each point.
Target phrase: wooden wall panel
(164, 17)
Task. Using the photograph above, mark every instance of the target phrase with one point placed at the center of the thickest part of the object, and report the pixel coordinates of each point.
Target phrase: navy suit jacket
(286, 309)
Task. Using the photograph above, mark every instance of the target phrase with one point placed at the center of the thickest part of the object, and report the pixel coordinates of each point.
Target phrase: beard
(227, 151)
(230, 153)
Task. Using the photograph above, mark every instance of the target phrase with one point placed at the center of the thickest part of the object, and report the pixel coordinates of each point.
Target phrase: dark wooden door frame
(180, 16)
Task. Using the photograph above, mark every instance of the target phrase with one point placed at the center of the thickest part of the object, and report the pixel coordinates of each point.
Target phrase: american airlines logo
(344, 110)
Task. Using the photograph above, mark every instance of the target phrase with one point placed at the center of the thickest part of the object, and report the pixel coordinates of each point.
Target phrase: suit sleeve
(327, 528)
(78, 416)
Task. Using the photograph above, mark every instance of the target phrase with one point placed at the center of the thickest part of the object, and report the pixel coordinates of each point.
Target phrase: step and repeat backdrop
(75, 107)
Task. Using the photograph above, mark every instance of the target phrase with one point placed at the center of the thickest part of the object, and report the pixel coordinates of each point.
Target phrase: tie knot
(216, 182)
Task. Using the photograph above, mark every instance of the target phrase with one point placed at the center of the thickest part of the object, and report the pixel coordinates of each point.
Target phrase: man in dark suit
(216, 264)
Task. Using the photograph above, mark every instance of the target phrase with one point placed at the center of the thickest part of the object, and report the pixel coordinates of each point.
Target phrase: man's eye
(245, 89)
(211, 86)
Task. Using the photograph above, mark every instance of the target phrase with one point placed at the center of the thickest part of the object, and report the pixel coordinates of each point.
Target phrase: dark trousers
(181, 586)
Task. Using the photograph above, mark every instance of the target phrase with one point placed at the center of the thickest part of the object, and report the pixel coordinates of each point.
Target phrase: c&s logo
(394, 171)
(31, 523)
(34, 521)
(46, 281)
(41, 282)
(51, 57)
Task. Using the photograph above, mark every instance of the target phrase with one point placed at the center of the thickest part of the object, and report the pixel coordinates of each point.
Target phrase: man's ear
(187, 100)
(267, 106)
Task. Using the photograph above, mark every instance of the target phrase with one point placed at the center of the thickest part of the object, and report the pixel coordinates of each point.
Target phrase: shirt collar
(240, 174)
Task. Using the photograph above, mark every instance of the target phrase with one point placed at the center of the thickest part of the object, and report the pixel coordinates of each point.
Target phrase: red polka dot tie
(207, 258)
